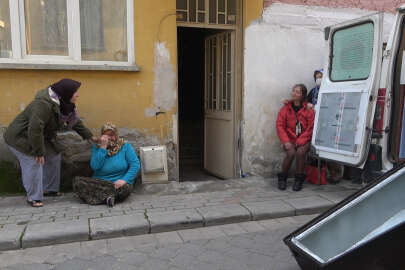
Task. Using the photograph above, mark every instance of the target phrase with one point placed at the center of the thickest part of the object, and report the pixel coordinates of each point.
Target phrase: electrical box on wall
(154, 164)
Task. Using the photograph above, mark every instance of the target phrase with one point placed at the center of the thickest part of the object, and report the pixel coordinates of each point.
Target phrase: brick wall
(380, 5)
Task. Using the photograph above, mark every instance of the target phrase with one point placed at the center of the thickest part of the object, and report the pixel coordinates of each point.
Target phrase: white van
(360, 111)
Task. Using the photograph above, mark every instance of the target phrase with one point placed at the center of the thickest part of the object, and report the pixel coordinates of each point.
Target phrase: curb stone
(269, 209)
(55, 233)
(118, 226)
(223, 214)
(174, 220)
(85, 229)
(10, 237)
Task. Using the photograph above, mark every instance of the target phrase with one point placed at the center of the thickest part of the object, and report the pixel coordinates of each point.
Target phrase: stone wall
(76, 158)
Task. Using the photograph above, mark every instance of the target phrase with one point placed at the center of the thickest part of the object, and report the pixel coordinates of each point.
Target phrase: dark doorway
(191, 68)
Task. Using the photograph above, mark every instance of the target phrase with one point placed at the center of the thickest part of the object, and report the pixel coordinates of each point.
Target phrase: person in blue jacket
(115, 166)
(312, 97)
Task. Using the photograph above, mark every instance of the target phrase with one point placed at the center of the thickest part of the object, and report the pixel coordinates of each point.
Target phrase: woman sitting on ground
(294, 127)
(115, 166)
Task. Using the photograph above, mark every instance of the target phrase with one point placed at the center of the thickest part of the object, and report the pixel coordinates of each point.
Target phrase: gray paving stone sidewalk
(159, 208)
(239, 246)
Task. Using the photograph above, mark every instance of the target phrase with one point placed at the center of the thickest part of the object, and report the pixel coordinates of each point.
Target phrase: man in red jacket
(295, 123)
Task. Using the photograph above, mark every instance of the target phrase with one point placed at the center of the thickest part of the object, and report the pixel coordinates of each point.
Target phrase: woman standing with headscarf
(31, 137)
(115, 166)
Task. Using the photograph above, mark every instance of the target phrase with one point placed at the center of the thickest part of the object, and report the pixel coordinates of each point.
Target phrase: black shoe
(282, 181)
(299, 181)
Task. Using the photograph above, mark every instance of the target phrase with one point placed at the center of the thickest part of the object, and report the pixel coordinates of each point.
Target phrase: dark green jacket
(38, 125)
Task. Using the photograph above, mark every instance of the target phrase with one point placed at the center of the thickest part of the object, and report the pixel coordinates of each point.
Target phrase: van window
(352, 50)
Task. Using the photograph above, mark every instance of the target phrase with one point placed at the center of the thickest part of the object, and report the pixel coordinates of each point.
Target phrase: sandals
(35, 203)
(52, 194)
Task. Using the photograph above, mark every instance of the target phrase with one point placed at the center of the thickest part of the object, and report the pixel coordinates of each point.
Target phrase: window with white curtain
(5, 30)
(67, 32)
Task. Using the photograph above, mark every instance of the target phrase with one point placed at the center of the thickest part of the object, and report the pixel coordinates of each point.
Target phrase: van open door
(346, 101)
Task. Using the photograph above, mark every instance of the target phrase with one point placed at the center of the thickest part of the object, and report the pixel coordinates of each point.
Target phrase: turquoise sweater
(122, 166)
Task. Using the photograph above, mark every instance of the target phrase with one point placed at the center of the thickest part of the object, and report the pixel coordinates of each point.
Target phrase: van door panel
(347, 96)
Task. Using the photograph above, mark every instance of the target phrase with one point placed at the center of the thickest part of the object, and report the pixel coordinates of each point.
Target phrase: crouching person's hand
(40, 160)
(119, 183)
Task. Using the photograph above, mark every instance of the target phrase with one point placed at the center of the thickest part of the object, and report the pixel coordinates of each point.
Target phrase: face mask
(318, 82)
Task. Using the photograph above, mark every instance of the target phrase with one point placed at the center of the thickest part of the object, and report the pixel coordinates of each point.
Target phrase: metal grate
(207, 11)
(219, 72)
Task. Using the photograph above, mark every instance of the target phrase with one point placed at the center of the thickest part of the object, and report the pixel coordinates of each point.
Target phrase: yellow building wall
(253, 10)
(120, 97)
(128, 99)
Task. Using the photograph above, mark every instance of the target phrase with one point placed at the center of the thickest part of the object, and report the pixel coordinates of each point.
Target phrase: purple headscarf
(65, 89)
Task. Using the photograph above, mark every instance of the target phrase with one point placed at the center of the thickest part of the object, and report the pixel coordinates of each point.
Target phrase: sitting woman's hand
(288, 146)
(310, 105)
(104, 141)
(119, 183)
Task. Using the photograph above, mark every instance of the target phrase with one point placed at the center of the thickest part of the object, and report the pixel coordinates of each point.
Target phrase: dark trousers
(95, 191)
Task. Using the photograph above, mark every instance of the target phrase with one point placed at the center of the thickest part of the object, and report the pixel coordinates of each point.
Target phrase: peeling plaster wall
(165, 84)
(282, 48)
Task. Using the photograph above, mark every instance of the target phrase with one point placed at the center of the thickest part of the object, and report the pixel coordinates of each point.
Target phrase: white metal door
(219, 134)
(346, 101)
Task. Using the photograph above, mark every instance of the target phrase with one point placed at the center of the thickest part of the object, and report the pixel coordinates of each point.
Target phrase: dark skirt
(96, 191)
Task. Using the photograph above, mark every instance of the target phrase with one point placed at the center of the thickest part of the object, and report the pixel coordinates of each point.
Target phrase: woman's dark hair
(304, 90)
(316, 72)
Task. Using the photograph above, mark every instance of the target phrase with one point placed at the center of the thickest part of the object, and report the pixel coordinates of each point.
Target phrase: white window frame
(20, 59)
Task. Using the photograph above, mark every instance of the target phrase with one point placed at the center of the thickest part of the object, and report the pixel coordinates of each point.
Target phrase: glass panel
(192, 11)
(201, 5)
(221, 5)
(229, 52)
(214, 74)
(352, 53)
(207, 74)
(231, 17)
(46, 27)
(224, 61)
(201, 17)
(337, 128)
(228, 92)
(181, 16)
(229, 73)
(5, 30)
(210, 83)
(360, 223)
(213, 11)
(181, 4)
(221, 70)
(221, 19)
(103, 25)
(231, 7)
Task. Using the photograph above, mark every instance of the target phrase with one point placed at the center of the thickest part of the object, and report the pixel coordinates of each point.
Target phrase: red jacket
(286, 122)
